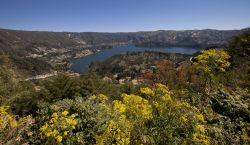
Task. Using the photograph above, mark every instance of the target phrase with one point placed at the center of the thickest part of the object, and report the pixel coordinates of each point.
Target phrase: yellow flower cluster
(137, 106)
(60, 124)
(213, 58)
(6, 119)
(201, 139)
(162, 89)
(93, 97)
(101, 98)
(119, 106)
(163, 94)
(200, 128)
(147, 91)
(117, 132)
(140, 107)
(102, 101)
(199, 135)
(166, 98)
(200, 117)
(181, 104)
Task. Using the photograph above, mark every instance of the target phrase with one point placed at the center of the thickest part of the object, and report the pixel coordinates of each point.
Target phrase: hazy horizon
(119, 31)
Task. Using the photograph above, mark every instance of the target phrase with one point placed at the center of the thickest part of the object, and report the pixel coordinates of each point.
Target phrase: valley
(52, 51)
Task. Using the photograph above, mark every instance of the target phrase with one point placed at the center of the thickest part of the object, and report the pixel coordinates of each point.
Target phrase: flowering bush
(12, 130)
(58, 127)
(118, 131)
(155, 120)
(6, 119)
(212, 60)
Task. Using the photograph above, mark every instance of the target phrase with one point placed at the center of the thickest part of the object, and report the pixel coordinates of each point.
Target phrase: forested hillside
(137, 64)
(206, 101)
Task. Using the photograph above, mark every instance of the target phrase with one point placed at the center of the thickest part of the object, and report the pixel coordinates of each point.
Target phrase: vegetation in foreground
(206, 102)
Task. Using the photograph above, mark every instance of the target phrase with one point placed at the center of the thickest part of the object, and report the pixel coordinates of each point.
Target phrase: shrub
(159, 119)
(59, 128)
(13, 131)
(212, 61)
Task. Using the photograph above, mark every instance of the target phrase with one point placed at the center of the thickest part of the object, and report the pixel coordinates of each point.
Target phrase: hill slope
(51, 50)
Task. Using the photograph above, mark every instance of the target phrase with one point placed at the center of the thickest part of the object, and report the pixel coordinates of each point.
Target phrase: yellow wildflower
(166, 98)
(200, 138)
(156, 104)
(1, 123)
(184, 118)
(73, 115)
(65, 133)
(6, 119)
(103, 98)
(65, 113)
(93, 97)
(200, 117)
(147, 91)
(13, 123)
(200, 128)
(44, 127)
(48, 133)
(162, 88)
(54, 115)
(59, 138)
(73, 122)
(54, 132)
(119, 106)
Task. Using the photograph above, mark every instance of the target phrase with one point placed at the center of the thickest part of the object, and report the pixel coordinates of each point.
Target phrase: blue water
(81, 65)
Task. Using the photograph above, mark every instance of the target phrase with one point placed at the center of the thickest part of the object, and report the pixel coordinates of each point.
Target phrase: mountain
(40, 52)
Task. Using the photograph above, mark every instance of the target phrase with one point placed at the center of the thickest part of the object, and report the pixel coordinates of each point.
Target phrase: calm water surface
(81, 65)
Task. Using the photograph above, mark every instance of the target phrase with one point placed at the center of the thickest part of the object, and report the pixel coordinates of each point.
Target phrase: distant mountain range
(21, 45)
(28, 41)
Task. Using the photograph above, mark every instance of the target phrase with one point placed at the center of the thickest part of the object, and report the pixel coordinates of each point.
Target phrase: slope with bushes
(206, 102)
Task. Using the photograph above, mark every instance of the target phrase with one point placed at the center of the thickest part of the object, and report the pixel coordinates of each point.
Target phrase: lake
(81, 65)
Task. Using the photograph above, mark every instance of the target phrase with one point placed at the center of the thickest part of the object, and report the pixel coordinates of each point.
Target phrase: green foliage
(64, 86)
(93, 84)
(228, 116)
(233, 104)
(239, 49)
(13, 90)
(90, 118)
(8, 78)
(60, 87)
(132, 120)
(206, 102)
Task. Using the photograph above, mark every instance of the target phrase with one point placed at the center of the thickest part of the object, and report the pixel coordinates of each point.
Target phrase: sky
(123, 15)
